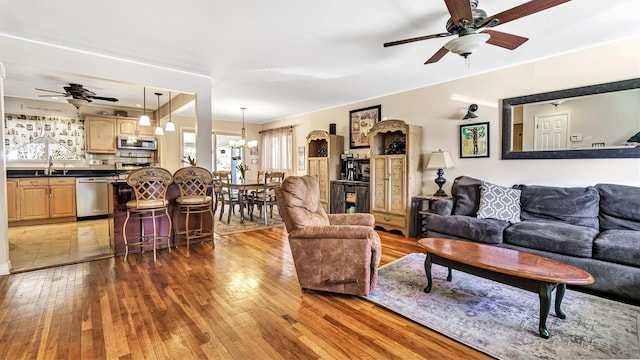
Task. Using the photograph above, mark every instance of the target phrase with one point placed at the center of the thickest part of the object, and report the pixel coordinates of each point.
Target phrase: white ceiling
(281, 58)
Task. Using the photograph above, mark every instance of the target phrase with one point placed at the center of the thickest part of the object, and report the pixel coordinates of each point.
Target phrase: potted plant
(189, 160)
(242, 167)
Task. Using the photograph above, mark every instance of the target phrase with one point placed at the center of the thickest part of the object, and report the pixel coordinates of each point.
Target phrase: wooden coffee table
(523, 270)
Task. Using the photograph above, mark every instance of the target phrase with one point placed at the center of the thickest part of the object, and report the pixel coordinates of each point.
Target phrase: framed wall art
(360, 122)
(474, 140)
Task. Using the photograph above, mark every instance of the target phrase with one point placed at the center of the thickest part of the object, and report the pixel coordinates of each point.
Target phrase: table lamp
(440, 160)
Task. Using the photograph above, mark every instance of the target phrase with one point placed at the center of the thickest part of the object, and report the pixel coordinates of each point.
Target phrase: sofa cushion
(466, 192)
(497, 202)
(488, 231)
(619, 207)
(577, 205)
(553, 236)
(618, 246)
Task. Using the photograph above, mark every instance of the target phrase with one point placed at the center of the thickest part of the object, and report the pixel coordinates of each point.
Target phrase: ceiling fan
(78, 94)
(466, 19)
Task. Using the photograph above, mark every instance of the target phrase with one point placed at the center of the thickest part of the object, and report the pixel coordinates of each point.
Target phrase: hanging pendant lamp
(159, 130)
(144, 119)
(170, 126)
(243, 133)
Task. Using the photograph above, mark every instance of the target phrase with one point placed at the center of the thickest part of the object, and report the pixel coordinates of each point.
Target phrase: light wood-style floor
(41, 246)
(239, 300)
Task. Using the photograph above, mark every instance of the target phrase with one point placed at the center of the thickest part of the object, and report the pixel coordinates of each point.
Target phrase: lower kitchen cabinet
(13, 200)
(42, 198)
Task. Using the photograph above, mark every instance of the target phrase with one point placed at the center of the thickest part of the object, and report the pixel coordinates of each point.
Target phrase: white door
(551, 132)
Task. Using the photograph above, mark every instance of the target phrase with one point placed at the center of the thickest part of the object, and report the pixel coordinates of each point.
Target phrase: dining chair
(225, 195)
(265, 195)
(193, 183)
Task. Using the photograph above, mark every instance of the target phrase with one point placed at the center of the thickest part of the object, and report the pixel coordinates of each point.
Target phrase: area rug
(502, 321)
(222, 228)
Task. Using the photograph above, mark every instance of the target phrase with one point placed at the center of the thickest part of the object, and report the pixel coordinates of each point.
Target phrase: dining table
(243, 188)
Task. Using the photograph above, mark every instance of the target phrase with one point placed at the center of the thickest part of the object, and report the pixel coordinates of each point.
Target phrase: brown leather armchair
(337, 252)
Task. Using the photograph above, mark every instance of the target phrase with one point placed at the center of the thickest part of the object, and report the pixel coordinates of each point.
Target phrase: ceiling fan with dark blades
(465, 21)
(78, 94)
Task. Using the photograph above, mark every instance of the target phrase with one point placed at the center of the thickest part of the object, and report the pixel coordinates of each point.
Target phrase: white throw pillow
(497, 202)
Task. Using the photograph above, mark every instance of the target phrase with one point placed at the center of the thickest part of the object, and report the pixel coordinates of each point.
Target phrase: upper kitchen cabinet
(100, 134)
(132, 127)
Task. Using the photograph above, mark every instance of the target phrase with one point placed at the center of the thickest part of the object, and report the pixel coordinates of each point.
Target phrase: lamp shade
(440, 160)
(467, 44)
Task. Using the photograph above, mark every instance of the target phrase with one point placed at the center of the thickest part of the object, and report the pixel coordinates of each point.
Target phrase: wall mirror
(597, 121)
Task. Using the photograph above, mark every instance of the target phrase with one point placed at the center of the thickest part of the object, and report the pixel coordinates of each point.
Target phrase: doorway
(226, 154)
(551, 132)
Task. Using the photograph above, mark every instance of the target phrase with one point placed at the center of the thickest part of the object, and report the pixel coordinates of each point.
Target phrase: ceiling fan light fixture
(78, 102)
(465, 45)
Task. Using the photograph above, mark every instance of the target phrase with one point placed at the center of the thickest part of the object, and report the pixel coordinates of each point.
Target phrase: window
(188, 146)
(277, 149)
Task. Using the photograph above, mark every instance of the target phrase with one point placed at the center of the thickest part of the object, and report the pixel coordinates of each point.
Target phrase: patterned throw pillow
(497, 202)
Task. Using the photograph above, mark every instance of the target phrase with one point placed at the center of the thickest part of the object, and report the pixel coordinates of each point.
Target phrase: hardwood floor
(239, 300)
(41, 246)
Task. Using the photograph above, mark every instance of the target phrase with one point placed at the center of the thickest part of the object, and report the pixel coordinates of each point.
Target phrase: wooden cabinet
(396, 174)
(100, 134)
(45, 198)
(349, 197)
(13, 200)
(62, 197)
(323, 163)
(132, 127)
(34, 198)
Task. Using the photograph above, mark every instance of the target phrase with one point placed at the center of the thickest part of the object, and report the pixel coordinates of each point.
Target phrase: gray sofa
(596, 228)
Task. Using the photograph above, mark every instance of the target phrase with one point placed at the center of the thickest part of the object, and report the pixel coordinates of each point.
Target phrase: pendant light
(144, 119)
(243, 136)
(170, 126)
(159, 130)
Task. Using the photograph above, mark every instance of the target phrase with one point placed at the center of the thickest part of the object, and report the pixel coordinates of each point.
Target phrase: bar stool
(150, 189)
(193, 182)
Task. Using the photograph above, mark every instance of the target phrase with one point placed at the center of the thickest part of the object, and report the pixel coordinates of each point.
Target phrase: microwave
(126, 142)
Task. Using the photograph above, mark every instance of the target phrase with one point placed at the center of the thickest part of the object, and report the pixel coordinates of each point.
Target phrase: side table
(422, 206)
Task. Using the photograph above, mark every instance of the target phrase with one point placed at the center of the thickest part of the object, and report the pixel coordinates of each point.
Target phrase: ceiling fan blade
(57, 92)
(460, 10)
(523, 10)
(102, 98)
(419, 38)
(437, 56)
(504, 40)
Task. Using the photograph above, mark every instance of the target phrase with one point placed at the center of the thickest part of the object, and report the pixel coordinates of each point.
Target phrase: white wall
(439, 108)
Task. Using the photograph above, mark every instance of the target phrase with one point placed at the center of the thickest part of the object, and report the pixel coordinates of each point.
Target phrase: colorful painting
(474, 140)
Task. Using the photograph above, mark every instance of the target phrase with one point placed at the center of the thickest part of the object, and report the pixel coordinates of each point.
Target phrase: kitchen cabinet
(46, 198)
(323, 163)
(13, 201)
(349, 197)
(396, 175)
(132, 127)
(62, 201)
(100, 134)
(34, 198)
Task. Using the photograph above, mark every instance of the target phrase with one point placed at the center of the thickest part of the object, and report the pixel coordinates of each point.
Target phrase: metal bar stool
(193, 182)
(150, 189)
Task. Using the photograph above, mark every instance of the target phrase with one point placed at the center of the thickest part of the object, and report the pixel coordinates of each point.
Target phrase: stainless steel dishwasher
(92, 196)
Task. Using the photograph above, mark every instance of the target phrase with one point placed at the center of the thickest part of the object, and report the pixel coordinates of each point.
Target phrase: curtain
(277, 149)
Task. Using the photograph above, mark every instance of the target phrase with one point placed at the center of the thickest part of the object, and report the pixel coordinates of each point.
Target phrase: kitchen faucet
(50, 171)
